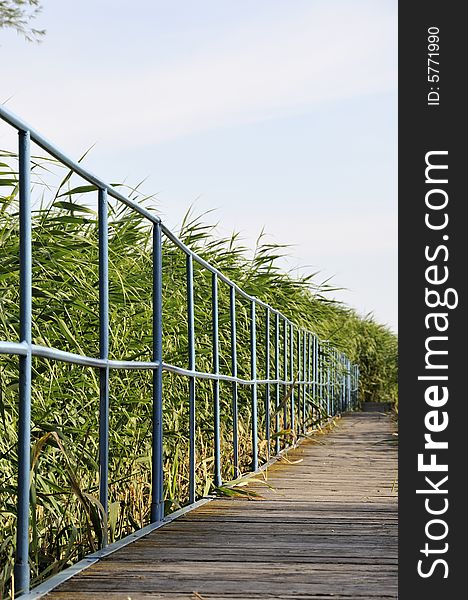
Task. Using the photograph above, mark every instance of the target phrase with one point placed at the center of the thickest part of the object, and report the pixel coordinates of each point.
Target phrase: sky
(279, 114)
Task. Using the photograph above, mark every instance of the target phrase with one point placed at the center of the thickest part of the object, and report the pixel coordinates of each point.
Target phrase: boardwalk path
(328, 530)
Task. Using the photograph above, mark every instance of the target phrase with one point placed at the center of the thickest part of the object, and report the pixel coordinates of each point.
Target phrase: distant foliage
(67, 521)
(18, 14)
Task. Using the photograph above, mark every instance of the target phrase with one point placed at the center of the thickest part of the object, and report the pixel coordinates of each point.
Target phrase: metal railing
(322, 384)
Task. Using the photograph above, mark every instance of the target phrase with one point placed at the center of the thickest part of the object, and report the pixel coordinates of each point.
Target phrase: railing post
(267, 377)
(309, 375)
(333, 409)
(157, 463)
(343, 381)
(316, 398)
(356, 386)
(217, 433)
(103, 351)
(21, 569)
(191, 366)
(253, 375)
(305, 378)
(346, 384)
(340, 381)
(358, 390)
(291, 359)
(285, 372)
(320, 379)
(277, 386)
(299, 380)
(333, 384)
(235, 411)
(315, 412)
(353, 386)
(324, 377)
(350, 401)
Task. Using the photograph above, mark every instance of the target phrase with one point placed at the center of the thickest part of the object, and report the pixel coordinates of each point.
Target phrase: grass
(67, 520)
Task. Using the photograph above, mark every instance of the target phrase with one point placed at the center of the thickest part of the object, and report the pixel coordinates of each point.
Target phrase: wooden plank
(327, 527)
(206, 596)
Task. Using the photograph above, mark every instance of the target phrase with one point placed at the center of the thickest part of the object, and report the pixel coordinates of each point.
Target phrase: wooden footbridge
(327, 528)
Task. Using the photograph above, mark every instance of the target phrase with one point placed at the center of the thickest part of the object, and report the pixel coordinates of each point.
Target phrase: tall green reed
(66, 517)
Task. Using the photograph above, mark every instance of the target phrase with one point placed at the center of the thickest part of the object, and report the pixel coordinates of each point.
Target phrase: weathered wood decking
(328, 529)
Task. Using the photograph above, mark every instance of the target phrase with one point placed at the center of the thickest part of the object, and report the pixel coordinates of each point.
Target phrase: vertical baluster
(191, 366)
(332, 380)
(316, 414)
(338, 381)
(292, 376)
(285, 372)
(345, 383)
(277, 385)
(343, 366)
(340, 375)
(320, 378)
(309, 377)
(353, 398)
(323, 376)
(333, 377)
(25, 365)
(103, 350)
(348, 384)
(267, 377)
(253, 376)
(235, 411)
(217, 433)
(305, 377)
(157, 463)
(299, 381)
(358, 383)
(326, 365)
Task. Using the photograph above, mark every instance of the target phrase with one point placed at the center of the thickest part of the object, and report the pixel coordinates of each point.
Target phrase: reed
(66, 518)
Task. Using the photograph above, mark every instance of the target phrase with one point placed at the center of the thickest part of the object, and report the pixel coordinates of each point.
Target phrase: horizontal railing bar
(41, 141)
(17, 348)
(69, 357)
(21, 349)
(220, 377)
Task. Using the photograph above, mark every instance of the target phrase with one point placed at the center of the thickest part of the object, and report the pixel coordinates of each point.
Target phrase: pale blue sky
(280, 114)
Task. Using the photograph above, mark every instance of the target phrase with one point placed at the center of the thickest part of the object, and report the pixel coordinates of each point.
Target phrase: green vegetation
(67, 520)
(17, 14)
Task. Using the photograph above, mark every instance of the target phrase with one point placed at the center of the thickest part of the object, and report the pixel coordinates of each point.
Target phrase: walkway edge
(48, 585)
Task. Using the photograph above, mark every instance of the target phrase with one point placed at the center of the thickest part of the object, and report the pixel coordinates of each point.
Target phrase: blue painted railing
(324, 381)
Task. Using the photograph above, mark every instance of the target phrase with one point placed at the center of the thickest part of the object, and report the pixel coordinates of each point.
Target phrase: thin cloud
(264, 70)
